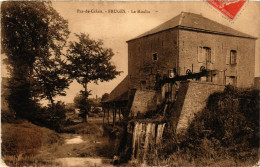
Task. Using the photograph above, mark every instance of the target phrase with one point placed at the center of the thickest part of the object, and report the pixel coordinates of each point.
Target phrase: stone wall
(192, 97)
(220, 45)
(257, 83)
(179, 49)
(142, 67)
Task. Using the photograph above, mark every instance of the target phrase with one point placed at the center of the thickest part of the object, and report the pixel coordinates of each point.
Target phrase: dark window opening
(231, 80)
(155, 58)
(231, 57)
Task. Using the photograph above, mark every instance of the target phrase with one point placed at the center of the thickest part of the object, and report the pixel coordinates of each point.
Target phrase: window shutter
(213, 52)
(228, 57)
(235, 58)
(200, 57)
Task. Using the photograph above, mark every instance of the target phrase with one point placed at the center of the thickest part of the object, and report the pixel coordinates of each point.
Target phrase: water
(75, 140)
(80, 162)
(146, 137)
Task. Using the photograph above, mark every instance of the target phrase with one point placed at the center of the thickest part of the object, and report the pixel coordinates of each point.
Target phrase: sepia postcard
(130, 83)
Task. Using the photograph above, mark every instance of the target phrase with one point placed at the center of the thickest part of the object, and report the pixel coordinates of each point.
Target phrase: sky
(116, 28)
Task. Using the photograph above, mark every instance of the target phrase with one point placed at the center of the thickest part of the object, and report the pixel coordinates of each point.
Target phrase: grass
(84, 128)
(25, 144)
(22, 141)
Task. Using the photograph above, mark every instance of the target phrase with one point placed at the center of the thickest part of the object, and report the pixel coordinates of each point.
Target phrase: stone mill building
(187, 42)
(183, 46)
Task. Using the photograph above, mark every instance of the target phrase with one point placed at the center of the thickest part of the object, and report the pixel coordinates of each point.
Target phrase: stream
(86, 161)
(82, 161)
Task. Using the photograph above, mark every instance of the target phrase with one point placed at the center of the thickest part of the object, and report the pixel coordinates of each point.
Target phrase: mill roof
(195, 22)
(120, 92)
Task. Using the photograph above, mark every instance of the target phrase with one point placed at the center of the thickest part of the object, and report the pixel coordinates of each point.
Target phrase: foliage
(79, 100)
(20, 98)
(51, 77)
(6, 114)
(32, 34)
(104, 96)
(228, 128)
(97, 110)
(70, 107)
(89, 61)
(53, 116)
(84, 128)
(83, 105)
(232, 118)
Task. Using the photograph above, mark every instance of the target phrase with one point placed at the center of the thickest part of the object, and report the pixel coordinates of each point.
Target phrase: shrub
(7, 115)
(232, 118)
(227, 129)
(52, 117)
(96, 110)
(100, 114)
(84, 128)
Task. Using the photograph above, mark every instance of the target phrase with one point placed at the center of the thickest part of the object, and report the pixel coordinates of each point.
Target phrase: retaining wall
(196, 95)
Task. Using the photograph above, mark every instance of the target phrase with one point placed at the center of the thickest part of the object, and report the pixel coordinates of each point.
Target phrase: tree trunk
(104, 115)
(120, 115)
(108, 114)
(113, 117)
(52, 101)
(86, 98)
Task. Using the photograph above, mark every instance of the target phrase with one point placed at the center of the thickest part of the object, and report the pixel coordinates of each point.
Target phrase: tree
(104, 96)
(30, 31)
(90, 61)
(52, 78)
(82, 104)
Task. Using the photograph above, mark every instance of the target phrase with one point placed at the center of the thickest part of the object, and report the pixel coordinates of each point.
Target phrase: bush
(100, 114)
(7, 115)
(232, 118)
(52, 117)
(84, 128)
(96, 110)
(227, 129)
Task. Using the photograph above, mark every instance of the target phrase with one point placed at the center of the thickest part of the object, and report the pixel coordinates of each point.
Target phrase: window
(204, 55)
(231, 80)
(155, 58)
(231, 57)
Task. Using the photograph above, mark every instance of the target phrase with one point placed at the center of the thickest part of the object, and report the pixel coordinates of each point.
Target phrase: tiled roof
(195, 22)
(119, 93)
